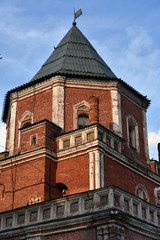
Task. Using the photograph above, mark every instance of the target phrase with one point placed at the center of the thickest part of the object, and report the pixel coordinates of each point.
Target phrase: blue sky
(124, 32)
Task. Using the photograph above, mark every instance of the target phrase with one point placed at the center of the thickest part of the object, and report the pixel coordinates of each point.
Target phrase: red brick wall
(86, 234)
(124, 178)
(76, 95)
(129, 108)
(26, 180)
(41, 107)
(74, 173)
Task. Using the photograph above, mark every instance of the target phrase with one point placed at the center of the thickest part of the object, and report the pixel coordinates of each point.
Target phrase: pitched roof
(74, 55)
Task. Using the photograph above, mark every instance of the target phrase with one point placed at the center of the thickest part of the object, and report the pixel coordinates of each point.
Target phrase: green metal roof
(74, 55)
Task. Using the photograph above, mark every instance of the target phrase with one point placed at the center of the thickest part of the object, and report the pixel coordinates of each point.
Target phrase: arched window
(33, 141)
(83, 120)
(157, 195)
(142, 193)
(81, 108)
(25, 120)
(62, 187)
(26, 124)
(132, 129)
(132, 137)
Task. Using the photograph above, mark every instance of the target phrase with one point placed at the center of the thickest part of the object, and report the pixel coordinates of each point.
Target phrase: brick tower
(76, 148)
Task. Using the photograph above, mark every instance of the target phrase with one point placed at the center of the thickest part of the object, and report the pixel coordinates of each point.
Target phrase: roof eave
(92, 76)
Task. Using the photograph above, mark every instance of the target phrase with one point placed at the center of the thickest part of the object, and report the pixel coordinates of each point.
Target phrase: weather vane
(76, 15)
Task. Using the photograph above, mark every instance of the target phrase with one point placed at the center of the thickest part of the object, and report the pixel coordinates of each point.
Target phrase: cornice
(27, 156)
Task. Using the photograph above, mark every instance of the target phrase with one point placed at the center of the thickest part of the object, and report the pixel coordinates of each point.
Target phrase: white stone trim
(12, 128)
(116, 112)
(23, 117)
(136, 131)
(146, 136)
(58, 104)
(75, 110)
(96, 169)
(157, 195)
(91, 170)
(143, 190)
(102, 169)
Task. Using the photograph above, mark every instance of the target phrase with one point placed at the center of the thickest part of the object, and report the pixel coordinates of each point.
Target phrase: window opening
(83, 120)
(46, 213)
(103, 200)
(100, 136)
(66, 143)
(132, 137)
(90, 136)
(88, 204)
(126, 205)
(141, 192)
(135, 209)
(143, 212)
(60, 211)
(151, 216)
(74, 207)
(116, 200)
(9, 222)
(26, 124)
(33, 142)
(21, 218)
(108, 141)
(78, 140)
(62, 187)
(33, 216)
(116, 146)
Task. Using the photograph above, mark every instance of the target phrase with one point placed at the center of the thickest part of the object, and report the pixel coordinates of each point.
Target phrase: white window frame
(132, 121)
(77, 107)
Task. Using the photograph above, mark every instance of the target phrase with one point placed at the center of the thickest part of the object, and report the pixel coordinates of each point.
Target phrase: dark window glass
(100, 136)
(135, 209)
(132, 137)
(21, 218)
(116, 146)
(60, 210)
(108, 141)
(126, 205)
(116, 201)
(33, 141)
(104, 200)
(74, 207)
(88, 204)
(78, 140)
(26, 124)
(9, 221)
(151, 216)
(90, 136)
(33, 216)
(46, 213)
(83, 120)
(66, 143)
(143, 213)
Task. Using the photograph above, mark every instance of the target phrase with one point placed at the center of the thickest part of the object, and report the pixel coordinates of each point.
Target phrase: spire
(76, 15)
(74, 56)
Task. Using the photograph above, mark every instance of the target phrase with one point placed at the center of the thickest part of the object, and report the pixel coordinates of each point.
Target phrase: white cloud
(137, 59)
(2, 137)
(154, 138)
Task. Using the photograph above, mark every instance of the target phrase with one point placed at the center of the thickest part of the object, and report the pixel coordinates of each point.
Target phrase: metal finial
(76, 15)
